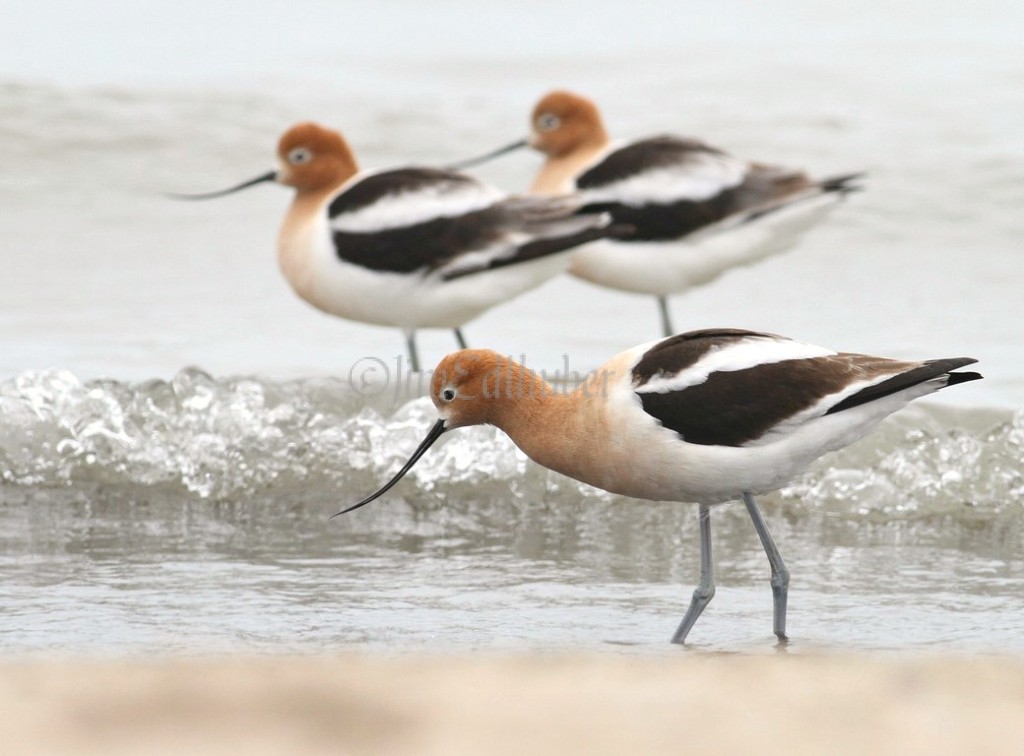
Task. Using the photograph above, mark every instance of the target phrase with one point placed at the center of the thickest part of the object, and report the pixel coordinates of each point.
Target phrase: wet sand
(536, 704)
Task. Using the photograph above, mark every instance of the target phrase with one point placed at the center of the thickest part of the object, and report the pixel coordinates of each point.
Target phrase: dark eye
(448, 394)
(299, 155)
(548, 122)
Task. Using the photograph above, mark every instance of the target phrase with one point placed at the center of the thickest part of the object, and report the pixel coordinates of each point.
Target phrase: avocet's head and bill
(412, 247)
(694, 210)
(703, 417)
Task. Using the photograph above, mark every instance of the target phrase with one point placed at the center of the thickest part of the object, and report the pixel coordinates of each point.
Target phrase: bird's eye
(448, 394)
(299, 155)
(548, 122)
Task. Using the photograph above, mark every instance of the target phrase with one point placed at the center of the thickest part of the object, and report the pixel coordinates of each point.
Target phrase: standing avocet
(695, 211)
(705, 417)
(413, 247)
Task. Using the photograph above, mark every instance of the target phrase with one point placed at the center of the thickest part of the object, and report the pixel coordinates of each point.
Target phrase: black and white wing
(448, 223)
(404, 220)
(740, 388)
(530, 228)
(669, 187)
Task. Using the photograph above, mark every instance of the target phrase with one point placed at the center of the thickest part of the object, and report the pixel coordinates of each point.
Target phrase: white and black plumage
(412, 247)
(693, 210)
(705, 417)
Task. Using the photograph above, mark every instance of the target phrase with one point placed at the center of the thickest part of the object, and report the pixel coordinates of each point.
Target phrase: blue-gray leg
(410, 345)
(666, 319)
(705, 590)
(780, 574)
(459, 338)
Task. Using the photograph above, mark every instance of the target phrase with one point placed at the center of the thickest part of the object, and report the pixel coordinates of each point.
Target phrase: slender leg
(705, 590)
(460, 338)
(410, 345)
(780, 574)
(666, 320)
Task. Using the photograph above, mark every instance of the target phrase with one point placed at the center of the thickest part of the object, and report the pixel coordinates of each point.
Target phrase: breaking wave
(242, 438)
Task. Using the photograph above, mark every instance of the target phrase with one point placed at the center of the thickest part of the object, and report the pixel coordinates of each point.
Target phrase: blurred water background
(175, 425)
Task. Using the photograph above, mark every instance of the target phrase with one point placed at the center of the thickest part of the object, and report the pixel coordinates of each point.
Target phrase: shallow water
(150, 506)
(192, 515)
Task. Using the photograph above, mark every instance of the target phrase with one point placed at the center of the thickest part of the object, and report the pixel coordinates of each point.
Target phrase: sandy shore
(514, 705)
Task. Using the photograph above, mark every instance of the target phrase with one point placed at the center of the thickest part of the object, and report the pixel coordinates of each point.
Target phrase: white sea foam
(232, 439)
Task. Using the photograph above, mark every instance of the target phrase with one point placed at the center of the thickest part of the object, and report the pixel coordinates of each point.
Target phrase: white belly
(405, 300)
(672, 267)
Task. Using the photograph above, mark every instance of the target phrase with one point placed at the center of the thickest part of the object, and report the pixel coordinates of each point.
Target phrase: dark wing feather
(655, 218)
(760, 190)
(729, 408)
(638, 157)
(423, 245)
(536, 227)
(676, 353)
(534, 250)
(737, 407)
(655, 222)
(925, 372)
(426, 245)
(376, 187)
(506, 231)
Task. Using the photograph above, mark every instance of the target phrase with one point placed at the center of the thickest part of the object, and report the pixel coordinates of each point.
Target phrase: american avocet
(702, 417)
(695, 211)
(413, 247)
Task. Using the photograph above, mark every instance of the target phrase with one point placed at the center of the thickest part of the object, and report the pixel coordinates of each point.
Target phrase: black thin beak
(432, 436)
(489, 156)
(271, 176)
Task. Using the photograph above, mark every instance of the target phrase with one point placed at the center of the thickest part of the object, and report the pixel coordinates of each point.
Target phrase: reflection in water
(111, 573)
(191, 515)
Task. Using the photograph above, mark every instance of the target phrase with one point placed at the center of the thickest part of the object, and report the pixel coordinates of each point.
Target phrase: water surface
(176, 426)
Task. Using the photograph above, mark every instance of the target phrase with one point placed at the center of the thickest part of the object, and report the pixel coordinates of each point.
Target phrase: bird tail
(929, 371)
(843, 184)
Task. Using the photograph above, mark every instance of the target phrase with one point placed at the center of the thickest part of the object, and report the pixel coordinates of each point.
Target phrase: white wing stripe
(699, 178)
(419, 206)
(746, 354)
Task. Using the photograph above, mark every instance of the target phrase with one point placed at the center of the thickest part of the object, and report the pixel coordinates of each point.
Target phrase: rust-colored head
(475, 386)
(563, 122)
(313, 158)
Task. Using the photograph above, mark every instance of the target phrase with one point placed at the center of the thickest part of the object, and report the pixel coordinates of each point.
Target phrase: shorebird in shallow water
(703, 417)
(412, 247)
(695, 211)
